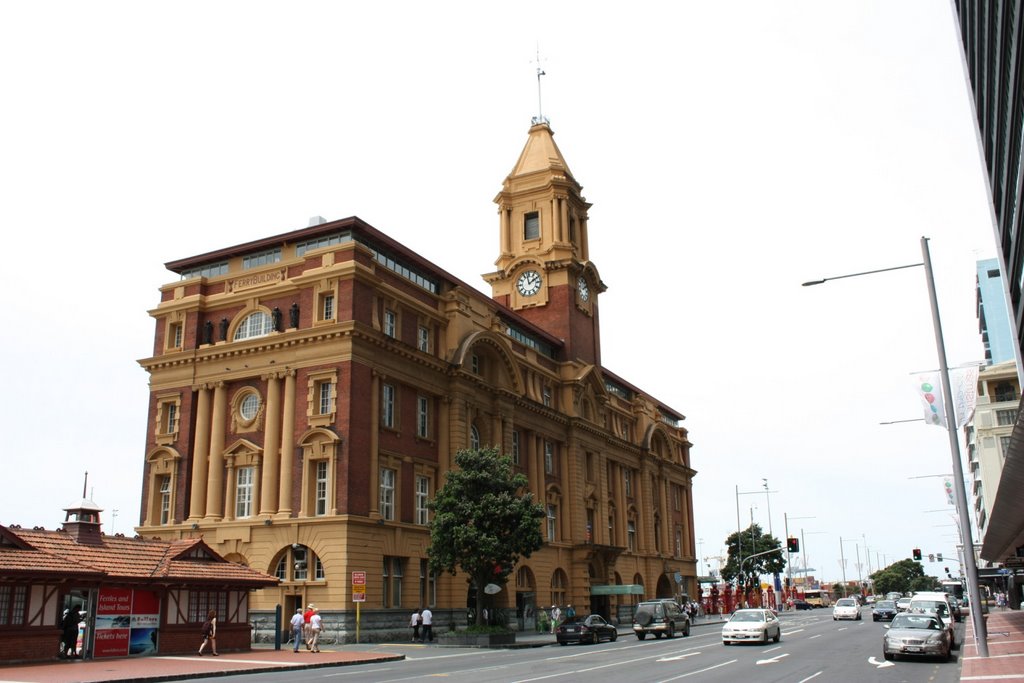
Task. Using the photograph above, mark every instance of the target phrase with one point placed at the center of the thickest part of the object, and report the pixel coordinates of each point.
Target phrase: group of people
(69, 628)
(306, 628)
(550, 619)
(422, 624)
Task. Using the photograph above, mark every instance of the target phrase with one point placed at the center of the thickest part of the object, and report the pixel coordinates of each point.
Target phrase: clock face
(528, 283)
(581, 287)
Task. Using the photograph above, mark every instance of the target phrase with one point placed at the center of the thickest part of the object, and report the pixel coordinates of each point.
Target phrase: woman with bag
(210, 633)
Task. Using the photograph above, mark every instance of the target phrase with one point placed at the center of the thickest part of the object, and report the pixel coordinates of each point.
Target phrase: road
(813, 647)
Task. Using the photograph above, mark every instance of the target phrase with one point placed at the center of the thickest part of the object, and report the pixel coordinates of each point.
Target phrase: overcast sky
(731, 151)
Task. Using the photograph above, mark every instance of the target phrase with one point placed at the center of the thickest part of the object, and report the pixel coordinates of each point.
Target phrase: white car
(752, 624)
(846, 608)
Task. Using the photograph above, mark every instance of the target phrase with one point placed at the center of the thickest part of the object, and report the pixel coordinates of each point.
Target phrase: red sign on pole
(358, 578)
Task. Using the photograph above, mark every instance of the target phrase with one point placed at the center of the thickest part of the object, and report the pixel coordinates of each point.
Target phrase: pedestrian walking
(69, 626)
(556, 616)
(316, 625)
(414, 622)
(428, 625)
(298, 624)
(307, 634)
(210, 633)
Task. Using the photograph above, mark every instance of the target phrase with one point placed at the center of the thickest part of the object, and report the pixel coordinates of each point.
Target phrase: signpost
(358, 595)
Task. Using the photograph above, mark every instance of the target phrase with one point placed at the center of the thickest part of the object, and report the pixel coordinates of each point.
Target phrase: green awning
(617, 589)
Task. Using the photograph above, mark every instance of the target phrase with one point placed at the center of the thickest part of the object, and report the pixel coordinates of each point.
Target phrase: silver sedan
(919, 635)
(752, 625)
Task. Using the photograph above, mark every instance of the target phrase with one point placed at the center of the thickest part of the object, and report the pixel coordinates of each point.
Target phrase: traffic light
(917, 554)
(938, 557)
(793, 545)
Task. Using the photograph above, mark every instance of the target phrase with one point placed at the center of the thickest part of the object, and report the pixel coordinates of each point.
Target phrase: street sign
(359, 578)
(358, 586)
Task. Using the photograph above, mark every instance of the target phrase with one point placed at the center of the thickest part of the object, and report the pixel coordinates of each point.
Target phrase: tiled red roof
(126, 559)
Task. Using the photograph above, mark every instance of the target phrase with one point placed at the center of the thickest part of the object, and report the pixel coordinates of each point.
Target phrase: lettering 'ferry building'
(309, 390)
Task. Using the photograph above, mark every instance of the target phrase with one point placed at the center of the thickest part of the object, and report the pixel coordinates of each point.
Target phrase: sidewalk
(1005, 659)
(261, 659)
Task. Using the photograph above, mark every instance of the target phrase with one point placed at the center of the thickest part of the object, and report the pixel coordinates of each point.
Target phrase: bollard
(277, 627)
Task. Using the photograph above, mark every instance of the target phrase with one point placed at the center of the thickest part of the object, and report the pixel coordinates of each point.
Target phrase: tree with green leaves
(751, 542)
(904, 577)
(484, 520)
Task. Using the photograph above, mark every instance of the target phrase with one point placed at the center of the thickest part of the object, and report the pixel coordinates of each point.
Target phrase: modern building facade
(309, 390)
(993, 319)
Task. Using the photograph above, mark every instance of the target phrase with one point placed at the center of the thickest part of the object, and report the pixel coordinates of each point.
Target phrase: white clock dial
(581, 287)
(528, 283)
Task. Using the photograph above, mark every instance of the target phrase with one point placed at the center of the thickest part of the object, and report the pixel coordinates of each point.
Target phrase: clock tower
(544, 271)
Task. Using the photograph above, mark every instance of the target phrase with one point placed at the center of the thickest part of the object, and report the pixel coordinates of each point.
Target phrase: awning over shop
(617, 589)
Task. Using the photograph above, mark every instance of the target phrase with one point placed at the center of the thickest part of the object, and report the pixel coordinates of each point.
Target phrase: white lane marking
(700, 671)
(677, 657)
(773, 660)
(880, 665)
(810, 677)
(817, 636)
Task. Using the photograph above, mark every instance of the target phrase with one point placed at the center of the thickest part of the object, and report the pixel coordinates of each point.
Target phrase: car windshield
(846, 602)
(747, 616)
(916, 621)
(886, 604)
(928, 606)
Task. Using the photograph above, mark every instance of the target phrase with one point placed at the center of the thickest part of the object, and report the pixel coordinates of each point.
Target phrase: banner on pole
(963, 386)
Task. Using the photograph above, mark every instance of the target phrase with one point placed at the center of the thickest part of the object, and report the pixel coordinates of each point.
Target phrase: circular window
(250, 406)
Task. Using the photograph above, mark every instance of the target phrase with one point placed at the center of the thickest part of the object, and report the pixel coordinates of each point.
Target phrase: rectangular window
(422, 417)
(546, 395)
(1006, 417)
(177, 334)
(324, 391)
(679, 547)
(243, 492)
(165, 499)
(12, 605)
(474, 364)
(549, 458)
(611, 529)
(428, 585)
(552, 521)
(300, 563)
(387, 493)
(627, 480)
(261, 259)
(392, 576)
(515, 446)
(531, 226)
(327, 310)
(320, 501)
(677, 497)
(172, 418)
(390, 322)
(200, 602)
(423, 338)
(631, 535)
(422, 496)
(387, 405)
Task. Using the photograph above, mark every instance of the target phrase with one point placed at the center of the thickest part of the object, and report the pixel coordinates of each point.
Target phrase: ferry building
(308, 391)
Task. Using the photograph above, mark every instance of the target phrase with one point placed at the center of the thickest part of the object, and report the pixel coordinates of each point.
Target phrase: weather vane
(539, 118)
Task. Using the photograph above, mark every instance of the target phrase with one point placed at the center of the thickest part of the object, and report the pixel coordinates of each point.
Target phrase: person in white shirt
(315, 626)
(297, 623)
(428, 624)
(414, 622)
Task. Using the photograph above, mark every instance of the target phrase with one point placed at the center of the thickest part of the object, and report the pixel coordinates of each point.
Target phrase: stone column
(232, 488)
(215, 492)
(200, 456)
(271, 445)
(287, 451)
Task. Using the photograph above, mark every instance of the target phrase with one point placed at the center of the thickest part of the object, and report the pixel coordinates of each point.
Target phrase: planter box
(477, 639)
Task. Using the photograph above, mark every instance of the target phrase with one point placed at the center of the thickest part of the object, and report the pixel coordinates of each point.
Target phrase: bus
(817, 597)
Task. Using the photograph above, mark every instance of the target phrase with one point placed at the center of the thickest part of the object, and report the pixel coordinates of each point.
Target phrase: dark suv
(660, 617)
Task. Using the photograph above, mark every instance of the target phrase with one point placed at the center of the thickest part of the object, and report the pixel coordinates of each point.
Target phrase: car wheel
(835, 618)
(887, 655)
(949, 653)
(615, 636)
(686, 630)
(641, 635)
(858, 616)
(657, 635)
(562, 642)
(778, 636)
(726, 643)
(874, 618)
(671, 630)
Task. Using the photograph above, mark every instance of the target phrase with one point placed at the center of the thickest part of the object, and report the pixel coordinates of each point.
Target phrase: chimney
(82, 522)
(317, 220)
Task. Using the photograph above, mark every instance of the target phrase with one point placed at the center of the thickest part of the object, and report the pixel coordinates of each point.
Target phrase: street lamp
(789, 556)
(980, 629)
(739, 532)
(842, 561)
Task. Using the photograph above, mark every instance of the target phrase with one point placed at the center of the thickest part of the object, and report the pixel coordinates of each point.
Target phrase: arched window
(474, 438)
(258, 324)
(559, 583)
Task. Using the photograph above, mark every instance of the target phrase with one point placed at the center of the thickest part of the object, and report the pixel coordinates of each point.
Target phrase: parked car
(937, 606)
(920, 635)
(591, 629)
(884, 610)
(752, 624)
(846, 608)
(902, 604)
(802, 604)
(660, 617)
